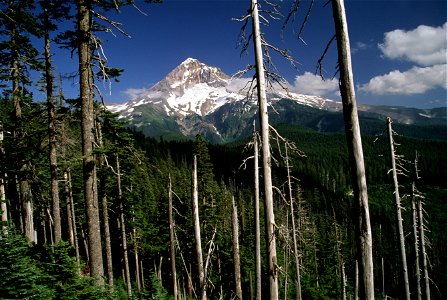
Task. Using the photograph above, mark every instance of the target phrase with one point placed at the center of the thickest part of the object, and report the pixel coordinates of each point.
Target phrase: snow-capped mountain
(195, 88)
(196, 98)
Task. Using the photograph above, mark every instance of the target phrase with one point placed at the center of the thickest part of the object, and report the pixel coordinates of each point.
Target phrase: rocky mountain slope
(197, 98)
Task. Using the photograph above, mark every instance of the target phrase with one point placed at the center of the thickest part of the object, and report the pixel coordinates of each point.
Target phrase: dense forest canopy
(50, 247)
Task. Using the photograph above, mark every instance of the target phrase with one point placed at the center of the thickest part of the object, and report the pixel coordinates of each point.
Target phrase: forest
(93, 209)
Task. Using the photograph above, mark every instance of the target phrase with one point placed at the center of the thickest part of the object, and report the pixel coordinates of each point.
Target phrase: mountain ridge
(196, 98)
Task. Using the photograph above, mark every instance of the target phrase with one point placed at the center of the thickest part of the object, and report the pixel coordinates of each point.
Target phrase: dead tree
(421, 230)
(236, 254)
(196, 220)
(397, 198)
(172, 240)
(257, 220)
(123, 230)
(356, 161)
(266, 155)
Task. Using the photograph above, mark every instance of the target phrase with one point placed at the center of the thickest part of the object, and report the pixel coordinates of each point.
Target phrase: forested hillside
(321, 192)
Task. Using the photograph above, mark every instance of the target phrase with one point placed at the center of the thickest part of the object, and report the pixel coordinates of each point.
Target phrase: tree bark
(266, 155)
(294, 231)
(421, 229)
(87, 123)
(196, 220)
(105, 212)
(172, 241)
(52, 155)
(354, 143)
(3, 207)
(123, 230)
(236, 254)
(416, 240)
(403, 255)
(258, 272)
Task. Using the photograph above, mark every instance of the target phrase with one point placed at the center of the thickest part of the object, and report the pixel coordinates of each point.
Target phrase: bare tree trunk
(172, 240)
(105, 211)
(142, 274)
(27, 207)
(73, 218)
(294, 231)
(196, 220)
(422, 234)
(416, 240)
(89, 165)
(137, 262)
(236, 254)
(123, 230)
(266, 155)
(54, 186)
(3, 207)
(258, 274)
(400, 227)
(69, 208)
(354, 142)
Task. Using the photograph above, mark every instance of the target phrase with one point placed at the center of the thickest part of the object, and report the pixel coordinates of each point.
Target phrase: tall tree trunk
(69, 208)
(72, 213)
(196, 220)
(123, 230)
(258, 270)
(172, 240)
(105, 212)
(87, 123)
(24, 193)
(3, 207)
(403, 255)
(54, 183)
(266, 155)
(236, 254)
(354, 143)
(421, 229)
(137, 261)
(294, 231)
(416, 240)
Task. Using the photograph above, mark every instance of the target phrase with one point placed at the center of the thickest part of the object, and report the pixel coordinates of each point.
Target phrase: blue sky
(398, 47)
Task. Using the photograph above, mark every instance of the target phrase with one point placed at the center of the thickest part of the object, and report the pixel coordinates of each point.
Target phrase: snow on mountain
(196, 88)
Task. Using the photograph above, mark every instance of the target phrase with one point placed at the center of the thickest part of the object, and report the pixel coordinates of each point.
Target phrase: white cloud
(311, 84)
(424, 45)
(359, 46)
(133, 93)
(417, 80)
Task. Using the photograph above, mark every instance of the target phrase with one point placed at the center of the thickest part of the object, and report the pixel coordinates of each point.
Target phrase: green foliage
(21, 277)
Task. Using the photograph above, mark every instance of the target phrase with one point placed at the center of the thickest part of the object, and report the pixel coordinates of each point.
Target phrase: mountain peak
(190, 60)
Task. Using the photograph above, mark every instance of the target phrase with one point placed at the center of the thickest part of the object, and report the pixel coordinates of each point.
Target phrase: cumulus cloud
(417, 80)
(312, 84)
(133, 93)
(424, 45)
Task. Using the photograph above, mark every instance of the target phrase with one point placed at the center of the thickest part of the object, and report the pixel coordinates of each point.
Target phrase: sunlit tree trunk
(172, 241)
(354, 143)
(105, 211)
(3, 207)
(87, 123)
(54, 183)
(266, 155)
(403, 255)
(123, 229)
(258, 274)
(416, 240)
(294, 231)
(236, 254)
(196, 220)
